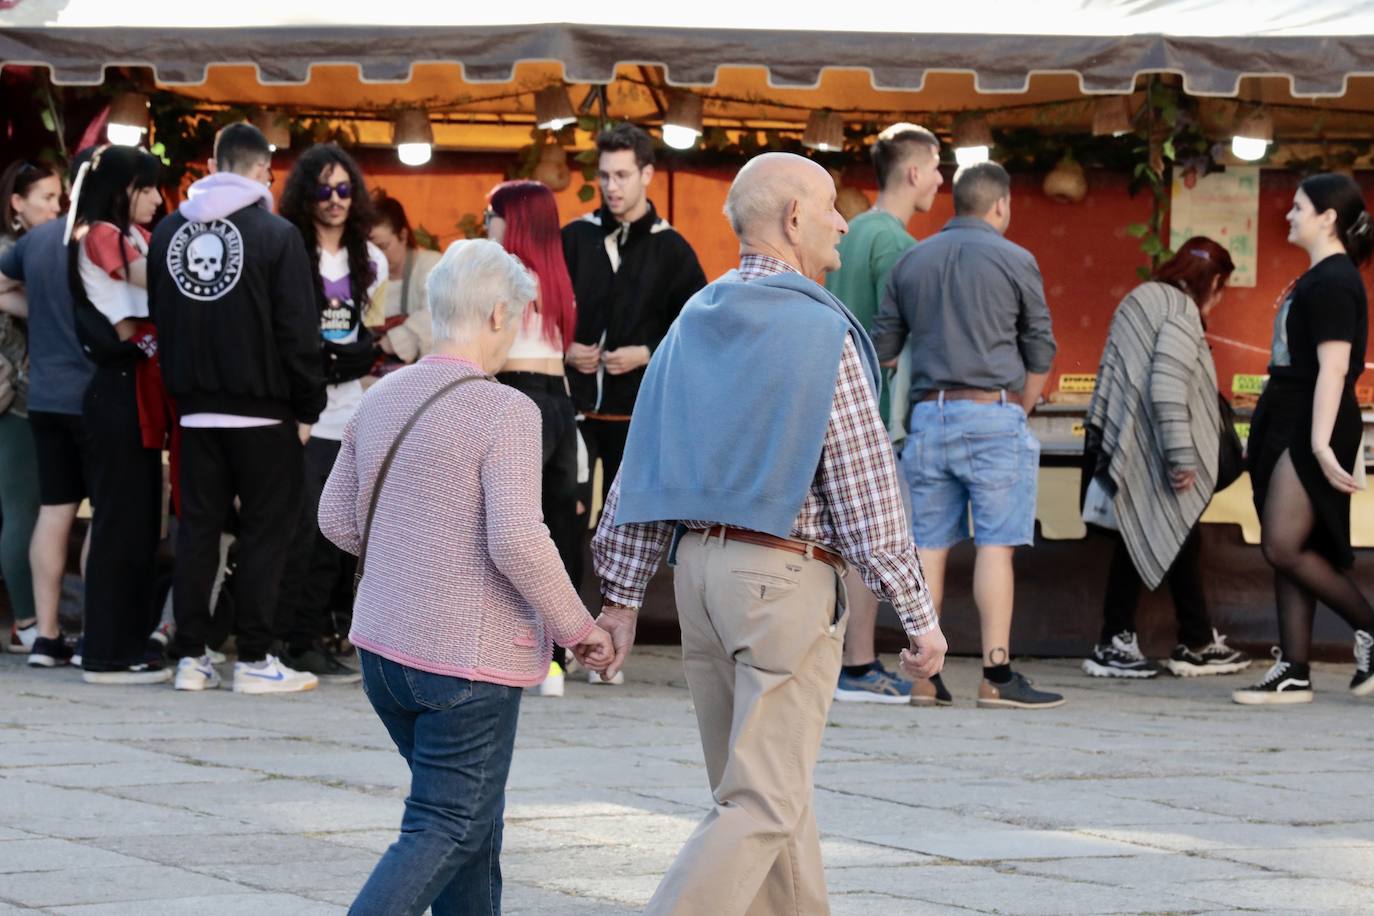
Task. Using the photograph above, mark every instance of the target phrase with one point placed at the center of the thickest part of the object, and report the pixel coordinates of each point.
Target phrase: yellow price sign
(1248, 384)
(1082, 383)
(1078, 430)
(1243, 430)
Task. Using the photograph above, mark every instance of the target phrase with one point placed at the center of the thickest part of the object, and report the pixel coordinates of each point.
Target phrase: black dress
(1327, 303)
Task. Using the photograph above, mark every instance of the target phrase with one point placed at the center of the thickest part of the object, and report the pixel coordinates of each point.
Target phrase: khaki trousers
(761, 648)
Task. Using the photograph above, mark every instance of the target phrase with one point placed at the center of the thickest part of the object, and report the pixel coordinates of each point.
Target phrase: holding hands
(926, 656)
(596, 651)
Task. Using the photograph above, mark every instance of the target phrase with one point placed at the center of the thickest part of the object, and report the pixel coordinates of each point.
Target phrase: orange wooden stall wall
(1087, 259)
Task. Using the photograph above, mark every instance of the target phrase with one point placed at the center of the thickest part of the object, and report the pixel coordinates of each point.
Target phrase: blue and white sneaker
(271, 676)
(877, 685)
(196, 674)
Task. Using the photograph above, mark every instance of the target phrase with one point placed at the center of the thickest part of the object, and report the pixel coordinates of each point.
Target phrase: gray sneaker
(1016, 693)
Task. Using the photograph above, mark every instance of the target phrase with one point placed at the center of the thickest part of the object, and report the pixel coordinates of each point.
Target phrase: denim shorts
(962, 455)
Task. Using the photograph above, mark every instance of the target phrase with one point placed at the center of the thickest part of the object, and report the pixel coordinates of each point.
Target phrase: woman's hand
(1337, 476)
(1182, 481)
(596, 651)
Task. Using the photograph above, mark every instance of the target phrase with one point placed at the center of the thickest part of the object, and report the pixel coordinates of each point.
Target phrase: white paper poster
(1224, 206)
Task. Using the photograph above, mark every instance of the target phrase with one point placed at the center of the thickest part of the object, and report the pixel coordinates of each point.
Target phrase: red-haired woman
(522, 217)
(1153, 444)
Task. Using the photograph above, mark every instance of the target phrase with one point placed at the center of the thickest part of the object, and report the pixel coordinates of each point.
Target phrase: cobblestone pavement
(1153, 797)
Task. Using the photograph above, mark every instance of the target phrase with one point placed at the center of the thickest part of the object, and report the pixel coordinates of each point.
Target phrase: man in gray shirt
(973, 305)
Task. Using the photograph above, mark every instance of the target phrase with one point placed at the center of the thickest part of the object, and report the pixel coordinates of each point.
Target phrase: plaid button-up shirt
(854, 506)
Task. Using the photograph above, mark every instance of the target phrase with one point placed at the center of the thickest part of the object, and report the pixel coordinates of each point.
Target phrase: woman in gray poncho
(1153, 439)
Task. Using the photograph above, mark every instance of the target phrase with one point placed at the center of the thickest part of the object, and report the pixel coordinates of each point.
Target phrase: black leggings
(1302, 576)
(1185, 585)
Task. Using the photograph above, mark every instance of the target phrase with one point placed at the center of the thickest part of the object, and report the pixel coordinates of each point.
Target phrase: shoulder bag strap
(405, 282)
(386, 466)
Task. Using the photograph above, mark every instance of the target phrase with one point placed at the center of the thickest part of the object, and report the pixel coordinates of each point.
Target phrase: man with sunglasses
(631, 274)
(327, 200)
(231, 292)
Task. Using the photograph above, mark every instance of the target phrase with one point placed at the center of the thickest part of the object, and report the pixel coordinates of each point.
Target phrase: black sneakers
(1214, 658)
(1285, 683)
(1121, 657)
(322, 663)
(49, 653)
(1362, 684)
(1016, 693)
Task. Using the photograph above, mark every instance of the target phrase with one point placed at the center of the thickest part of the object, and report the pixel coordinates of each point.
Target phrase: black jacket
(234, 303)
(631, 305)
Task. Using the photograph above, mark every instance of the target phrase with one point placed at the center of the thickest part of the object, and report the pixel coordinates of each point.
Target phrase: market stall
(1110, 113)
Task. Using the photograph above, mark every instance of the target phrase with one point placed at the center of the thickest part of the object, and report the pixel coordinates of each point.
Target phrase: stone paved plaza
(1154, 797)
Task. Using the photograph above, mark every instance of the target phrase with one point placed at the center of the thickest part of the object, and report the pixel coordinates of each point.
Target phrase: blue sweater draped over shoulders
(732, 414)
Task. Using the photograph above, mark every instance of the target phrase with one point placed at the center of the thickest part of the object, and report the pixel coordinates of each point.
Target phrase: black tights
(1302, 576)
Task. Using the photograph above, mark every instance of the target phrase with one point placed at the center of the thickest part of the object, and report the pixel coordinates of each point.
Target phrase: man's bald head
(783, 205)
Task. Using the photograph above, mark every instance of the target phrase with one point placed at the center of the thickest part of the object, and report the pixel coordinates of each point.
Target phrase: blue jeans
(965, 455)
(457, 737)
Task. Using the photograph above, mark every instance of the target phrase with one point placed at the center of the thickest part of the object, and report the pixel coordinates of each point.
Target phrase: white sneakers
(266, 676)
(196, 674)
(271, 676)
(553, 683)
(594, 678)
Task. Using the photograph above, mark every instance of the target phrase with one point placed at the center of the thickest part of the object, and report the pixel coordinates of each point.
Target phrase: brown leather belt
(759, 539)
(606, 417)
(981, 395)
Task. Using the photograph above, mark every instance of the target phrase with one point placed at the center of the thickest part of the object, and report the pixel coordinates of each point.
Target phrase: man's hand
(596, 651)
(926, 656)
(1182, 481)
(620, 623)
(385, 344)
(626, 359)
(584, 357)
(303, 431)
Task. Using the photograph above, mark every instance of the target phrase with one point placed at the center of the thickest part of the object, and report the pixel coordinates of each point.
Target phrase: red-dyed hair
(1196, 267)
(532, 235)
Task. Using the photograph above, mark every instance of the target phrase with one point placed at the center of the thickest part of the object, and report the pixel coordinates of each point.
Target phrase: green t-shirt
(874, 242)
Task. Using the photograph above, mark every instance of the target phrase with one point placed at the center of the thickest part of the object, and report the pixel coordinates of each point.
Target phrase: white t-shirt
(339, 323)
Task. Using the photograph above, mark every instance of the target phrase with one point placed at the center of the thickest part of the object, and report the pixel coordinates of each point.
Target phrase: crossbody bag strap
(386, 466)
(405, 282)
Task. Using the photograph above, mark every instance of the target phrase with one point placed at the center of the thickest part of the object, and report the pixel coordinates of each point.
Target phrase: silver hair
(472, 280)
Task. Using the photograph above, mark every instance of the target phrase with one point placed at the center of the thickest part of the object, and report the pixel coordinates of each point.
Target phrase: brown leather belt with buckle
(982, 395)
(759, 539)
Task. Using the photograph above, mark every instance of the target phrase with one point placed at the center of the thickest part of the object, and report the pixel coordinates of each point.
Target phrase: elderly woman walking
(461, 592)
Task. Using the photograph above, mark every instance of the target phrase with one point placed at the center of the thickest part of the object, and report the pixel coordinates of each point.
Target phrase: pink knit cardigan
(462, 578)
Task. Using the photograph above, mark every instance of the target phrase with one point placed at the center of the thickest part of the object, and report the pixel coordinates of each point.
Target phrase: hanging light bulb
(683, 123)
(824, 132)
(1253, 136)
(972, 141)
(553, 109)
(128, 119)
(413, 136)
(274, 127)
(1112, 116)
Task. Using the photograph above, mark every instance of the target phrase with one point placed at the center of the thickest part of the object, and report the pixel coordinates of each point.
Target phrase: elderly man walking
(758, 449)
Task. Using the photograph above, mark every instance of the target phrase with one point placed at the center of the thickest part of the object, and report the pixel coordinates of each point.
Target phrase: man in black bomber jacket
(232, 292)
(631, 274)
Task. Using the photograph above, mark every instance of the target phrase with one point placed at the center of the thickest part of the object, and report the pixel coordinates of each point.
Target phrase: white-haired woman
(437, 488)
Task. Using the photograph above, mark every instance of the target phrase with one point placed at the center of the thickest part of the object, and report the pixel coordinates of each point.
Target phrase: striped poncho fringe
(1155, 405)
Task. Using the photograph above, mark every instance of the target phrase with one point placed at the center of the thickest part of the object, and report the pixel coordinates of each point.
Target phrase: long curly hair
(532, 235)
(298, 200)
